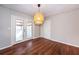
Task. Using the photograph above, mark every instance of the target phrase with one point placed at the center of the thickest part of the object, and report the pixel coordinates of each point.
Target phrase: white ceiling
(46, 9)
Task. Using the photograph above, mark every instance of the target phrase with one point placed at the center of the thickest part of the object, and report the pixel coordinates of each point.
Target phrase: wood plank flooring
(40, 46)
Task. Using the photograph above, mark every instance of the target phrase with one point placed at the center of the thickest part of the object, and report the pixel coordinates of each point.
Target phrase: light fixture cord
(39, 7)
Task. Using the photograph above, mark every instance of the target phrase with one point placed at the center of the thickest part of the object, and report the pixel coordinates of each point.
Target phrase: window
(19, 30)
(29, 30)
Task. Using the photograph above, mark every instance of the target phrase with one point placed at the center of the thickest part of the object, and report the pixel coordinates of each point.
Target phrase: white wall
(5, 34)
(46, 29)
(7, 26)
(64, 28)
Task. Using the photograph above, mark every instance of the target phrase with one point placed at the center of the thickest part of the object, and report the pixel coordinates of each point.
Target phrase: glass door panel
(19, 33)
(19, 30)
(29, 31)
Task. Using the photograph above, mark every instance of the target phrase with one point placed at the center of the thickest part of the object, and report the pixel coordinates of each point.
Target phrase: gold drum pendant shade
(38, 18)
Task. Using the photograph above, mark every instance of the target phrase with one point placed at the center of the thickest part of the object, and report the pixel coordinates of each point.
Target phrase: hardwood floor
(40, 46)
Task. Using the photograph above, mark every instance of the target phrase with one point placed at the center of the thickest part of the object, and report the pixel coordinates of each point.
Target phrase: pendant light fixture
(38, 17)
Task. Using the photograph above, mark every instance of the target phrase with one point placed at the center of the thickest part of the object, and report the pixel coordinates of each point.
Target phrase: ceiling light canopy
(38, 17)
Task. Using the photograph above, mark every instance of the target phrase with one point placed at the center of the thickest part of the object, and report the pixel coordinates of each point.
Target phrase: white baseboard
(18, 42)
(5, 47)
(46, 38)
(35, 37)
(63, 42)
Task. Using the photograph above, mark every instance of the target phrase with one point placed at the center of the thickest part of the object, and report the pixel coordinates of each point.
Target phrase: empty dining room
(39, 29)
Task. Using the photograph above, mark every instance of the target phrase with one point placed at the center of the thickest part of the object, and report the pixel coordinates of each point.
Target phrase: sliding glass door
(19, 30)
(29, 31)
